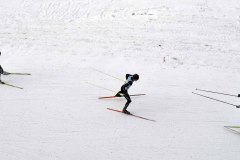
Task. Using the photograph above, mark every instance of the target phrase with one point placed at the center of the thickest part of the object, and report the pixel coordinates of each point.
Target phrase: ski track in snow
(175, 47)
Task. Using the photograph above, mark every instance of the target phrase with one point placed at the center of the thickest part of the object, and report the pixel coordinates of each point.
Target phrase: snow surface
(175, 47)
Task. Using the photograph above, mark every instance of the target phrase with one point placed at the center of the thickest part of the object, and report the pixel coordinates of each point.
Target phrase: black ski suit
(124, 90)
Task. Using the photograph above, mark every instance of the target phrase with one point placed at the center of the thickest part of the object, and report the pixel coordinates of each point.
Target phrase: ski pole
(107, 74)
(20, 73)
(217, 100)
(99, 86)
(218, 93)
(11, 85)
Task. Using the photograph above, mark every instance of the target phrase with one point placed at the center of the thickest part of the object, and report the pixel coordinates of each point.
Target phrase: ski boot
(5, 73)
(119, 94)
(125, 111)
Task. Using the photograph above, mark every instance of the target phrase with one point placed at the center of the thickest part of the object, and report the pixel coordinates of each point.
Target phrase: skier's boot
(5, 73)
(125, 111)
(119, 94)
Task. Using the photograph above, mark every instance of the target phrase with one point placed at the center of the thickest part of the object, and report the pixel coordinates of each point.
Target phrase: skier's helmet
(136, 77)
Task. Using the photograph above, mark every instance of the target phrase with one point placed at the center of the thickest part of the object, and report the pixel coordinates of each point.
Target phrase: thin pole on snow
(107, 74)
(217, 92)
(237, 106)
(99, 86)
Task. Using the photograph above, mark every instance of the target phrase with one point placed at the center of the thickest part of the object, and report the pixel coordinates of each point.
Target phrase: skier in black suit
(124, 90)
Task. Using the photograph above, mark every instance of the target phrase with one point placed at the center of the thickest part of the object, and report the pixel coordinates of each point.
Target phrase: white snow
(57, 115)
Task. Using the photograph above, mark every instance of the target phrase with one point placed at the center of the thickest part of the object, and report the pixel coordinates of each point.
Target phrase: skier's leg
(121, 92)
(1, 70)
(0, 79)
(126, 95)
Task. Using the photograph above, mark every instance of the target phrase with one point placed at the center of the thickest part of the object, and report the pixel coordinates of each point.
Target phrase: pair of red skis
(111, 109)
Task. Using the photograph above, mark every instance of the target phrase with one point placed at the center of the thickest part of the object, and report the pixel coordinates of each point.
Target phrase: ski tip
(18, 87)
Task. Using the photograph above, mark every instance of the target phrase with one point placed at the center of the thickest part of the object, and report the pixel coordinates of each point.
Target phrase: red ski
(131, 114)
(117, 96)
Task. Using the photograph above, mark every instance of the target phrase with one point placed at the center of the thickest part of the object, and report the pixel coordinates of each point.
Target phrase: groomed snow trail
(174, 46)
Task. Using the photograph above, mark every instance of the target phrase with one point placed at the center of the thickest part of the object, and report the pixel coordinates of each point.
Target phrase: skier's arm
(127, 75)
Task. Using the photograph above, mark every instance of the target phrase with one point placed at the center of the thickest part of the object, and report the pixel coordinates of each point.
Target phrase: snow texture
(175, 47)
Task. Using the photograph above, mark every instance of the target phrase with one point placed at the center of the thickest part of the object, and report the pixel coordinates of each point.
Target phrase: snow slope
(174, 46)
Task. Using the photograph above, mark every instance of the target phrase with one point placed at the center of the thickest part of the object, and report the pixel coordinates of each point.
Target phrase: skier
(124, 90)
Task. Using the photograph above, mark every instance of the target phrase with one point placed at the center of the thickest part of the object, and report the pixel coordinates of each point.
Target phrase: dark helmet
(135, 76)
